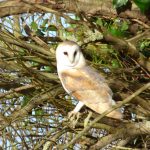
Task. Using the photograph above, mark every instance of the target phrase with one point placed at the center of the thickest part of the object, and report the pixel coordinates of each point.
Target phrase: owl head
(69, 55)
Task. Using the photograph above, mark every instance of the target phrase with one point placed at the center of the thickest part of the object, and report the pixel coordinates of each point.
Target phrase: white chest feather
(82, 81)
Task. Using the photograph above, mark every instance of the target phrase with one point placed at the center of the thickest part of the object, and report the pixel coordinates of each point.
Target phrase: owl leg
(75, 115)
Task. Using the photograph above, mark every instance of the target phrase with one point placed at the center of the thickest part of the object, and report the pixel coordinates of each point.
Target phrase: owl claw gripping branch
(73, 118)
(83, 82)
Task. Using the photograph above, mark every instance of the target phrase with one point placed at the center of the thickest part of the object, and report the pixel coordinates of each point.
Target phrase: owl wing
(86, 85)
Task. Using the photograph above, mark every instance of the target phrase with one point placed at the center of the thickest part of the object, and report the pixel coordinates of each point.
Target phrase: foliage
(144, 5)
(119, 3)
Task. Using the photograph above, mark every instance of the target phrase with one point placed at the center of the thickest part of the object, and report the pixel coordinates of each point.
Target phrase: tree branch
(128, 99)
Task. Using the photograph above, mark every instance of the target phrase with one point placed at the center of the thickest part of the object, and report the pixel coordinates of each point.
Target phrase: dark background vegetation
(115, 39)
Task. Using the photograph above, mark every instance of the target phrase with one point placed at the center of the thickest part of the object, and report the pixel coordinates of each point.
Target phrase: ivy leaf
(145, 48)
(115, 63)
(39, 112)
(144, 5)
(34, 25)
(34, 64)
(119, 3)
(115, 31)
(99, 22)
(124, 26)
(48, 69)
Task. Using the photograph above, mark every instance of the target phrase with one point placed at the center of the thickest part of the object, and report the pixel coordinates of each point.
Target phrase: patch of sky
(7, 23)
(38, 19)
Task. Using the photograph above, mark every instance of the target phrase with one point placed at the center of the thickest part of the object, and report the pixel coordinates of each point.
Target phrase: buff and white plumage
(82, 81)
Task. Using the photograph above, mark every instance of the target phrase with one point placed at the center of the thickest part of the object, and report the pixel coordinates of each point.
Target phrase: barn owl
(83, 82)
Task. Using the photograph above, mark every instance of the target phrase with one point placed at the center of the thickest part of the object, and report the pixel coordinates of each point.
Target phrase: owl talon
(73, 118)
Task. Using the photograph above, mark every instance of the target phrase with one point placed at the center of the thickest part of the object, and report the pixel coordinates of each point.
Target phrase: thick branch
(17, 90)
(128, 131)
(95, 7)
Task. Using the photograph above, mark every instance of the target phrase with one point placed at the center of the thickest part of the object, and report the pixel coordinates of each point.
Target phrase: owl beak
(72, 59)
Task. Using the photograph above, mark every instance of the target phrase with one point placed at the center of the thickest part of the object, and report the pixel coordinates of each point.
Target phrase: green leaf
(119, 3)
(48, 68)
(124, 26)
(115, 63)
(144, 5)
(25, 101)
(145, 48)
(39, 112)
(52, 28)
(34, 64)
(34, 26)
(116, 32)
(99, 22)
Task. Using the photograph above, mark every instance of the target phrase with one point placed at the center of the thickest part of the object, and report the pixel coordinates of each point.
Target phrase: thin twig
(126, 100)
(17, 90)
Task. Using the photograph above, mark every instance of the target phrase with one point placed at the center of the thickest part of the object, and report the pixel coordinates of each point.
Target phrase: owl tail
(116, 114)
(102, 107)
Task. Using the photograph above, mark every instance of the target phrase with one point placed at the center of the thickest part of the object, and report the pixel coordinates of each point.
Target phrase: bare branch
(128, 99)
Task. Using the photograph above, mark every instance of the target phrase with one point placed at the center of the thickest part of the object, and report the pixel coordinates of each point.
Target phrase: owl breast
(93, 92)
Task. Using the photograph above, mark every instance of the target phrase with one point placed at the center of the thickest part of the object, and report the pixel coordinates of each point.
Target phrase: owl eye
(65, 53)
(75, 53)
